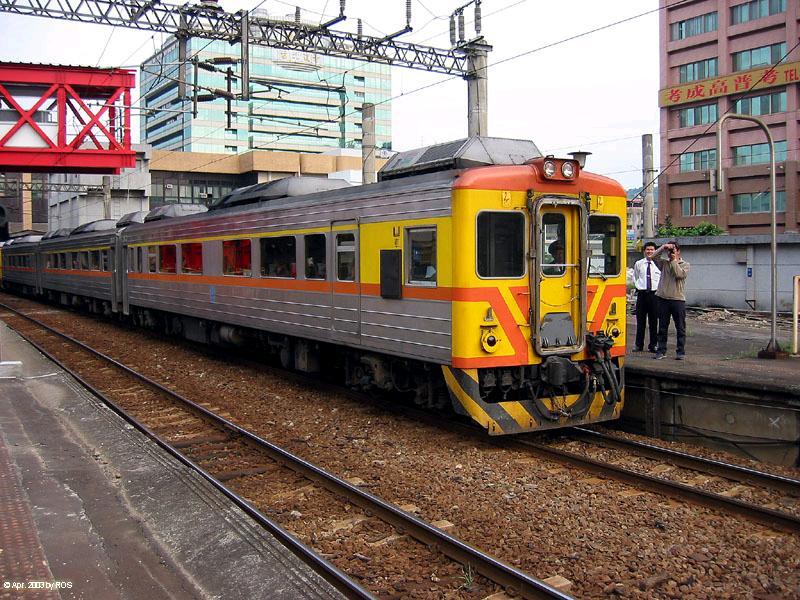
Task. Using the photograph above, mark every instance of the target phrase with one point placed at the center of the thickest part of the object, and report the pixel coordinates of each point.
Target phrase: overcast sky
(597, 92)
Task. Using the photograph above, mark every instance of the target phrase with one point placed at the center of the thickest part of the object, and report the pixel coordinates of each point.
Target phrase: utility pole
(368, 143)
(106, 197)
(477, 89)
(648, 181)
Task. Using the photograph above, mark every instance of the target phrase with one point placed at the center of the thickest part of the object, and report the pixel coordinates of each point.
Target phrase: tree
(669, 230)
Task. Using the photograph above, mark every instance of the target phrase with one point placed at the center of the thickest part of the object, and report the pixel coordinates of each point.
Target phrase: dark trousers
(646, 315)
(675, 309)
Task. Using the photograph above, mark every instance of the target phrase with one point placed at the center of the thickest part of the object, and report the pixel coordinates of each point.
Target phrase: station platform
(722, 346)
(721, 395)
(91, 508)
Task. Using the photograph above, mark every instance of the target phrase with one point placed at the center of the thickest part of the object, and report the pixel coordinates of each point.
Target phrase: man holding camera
(671, 297)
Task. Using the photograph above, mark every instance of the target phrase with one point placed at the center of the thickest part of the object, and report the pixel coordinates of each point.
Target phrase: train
(476, 276)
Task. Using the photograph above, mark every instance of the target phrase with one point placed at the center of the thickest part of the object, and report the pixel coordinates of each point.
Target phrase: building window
(236, 258)
(604, 245)
(279, 257)
(766, 104)
(166, 258)
(501, 244)
(316, 262)
(698, 205)
(346, 257)
(758, 57)
(694, 26)
(702, 160)
(192, 257)
(697, 115)
(702, 69)
(421, 266)
(758, 202)
(757, 9)
(758, 154)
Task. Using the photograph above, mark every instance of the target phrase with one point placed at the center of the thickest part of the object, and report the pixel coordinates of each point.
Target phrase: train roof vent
(288, 187)
(24, 239)
(132, 217)
(56, 233)
(169, 211)
(99, 225)
(470, 152)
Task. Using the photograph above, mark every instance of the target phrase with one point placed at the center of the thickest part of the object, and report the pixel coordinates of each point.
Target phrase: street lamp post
(773, 349)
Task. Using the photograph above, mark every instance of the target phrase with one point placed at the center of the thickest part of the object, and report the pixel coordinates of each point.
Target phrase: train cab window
(192, 258)
(94, 260)
(236, 257)
(553, 244)
(421, 256)
(315, 256)
(604, 246)
(167, 257)
(501, 244)
(83, 258)
(346, 257)
(279, 257)
(152, 259)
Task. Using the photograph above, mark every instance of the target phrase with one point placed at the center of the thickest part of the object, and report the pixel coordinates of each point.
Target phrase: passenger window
(346, 257)
(604, 245)
(48, 261)
(166, 258)
(192, 258)
(501, 244)
(133, 260)
(94, 260)
(236, 257)
(74, 260)
(84, 261)
(279, 257)
(553, 244)
(104, 260)
(152, 259)
(421, 265)
(315, 256)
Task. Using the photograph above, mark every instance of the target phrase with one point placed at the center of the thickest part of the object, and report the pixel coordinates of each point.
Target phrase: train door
(345, 288)
(558, 275)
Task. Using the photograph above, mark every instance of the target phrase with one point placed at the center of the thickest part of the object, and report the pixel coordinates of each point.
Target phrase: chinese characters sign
(737, 83)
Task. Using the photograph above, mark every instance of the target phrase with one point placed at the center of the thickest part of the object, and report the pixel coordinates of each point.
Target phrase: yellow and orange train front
(553, 307)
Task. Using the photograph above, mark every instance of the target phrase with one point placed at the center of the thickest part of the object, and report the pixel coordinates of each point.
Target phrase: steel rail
(513, 580)
(767, 516)
(690, 461)
(327, 570)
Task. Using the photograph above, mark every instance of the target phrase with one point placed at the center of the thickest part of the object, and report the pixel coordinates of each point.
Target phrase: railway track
(226, 454)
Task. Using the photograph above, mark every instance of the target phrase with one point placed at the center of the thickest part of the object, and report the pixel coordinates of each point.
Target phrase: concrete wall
(734, 271)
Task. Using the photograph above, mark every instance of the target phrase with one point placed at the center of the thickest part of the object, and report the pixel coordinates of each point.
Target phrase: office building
(299, 102)
(720, 57)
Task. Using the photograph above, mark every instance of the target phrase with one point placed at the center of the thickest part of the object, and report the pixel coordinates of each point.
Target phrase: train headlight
(568, 170)
(549, 168)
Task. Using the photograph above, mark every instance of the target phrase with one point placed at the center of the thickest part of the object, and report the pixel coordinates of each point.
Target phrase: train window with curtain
(152, 259)
(167, 256)
(94, 260)
(421, 256)
(553, 244)
(83, 260)
(315, 256)
(346, 257)
(501, 244)
(236, 258)
(192, 258)
(279, 257)
(604, 246)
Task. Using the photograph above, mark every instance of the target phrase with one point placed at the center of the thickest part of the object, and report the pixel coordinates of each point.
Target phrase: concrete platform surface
(722, 346)
(90, 508)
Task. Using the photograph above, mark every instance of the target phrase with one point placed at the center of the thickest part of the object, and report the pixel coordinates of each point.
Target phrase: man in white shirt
(646, 276)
